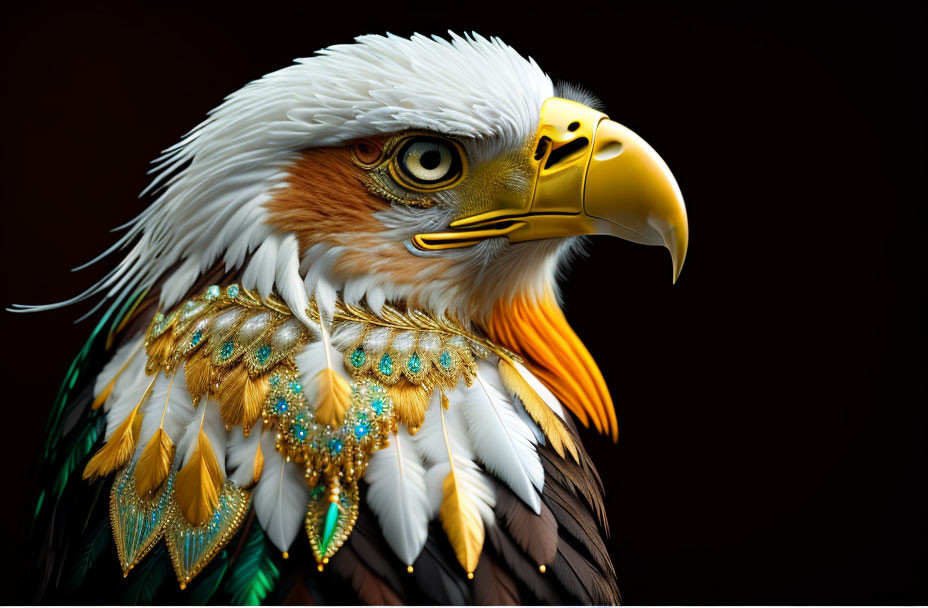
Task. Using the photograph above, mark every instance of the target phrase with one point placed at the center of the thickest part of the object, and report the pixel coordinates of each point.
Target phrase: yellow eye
(428, 163)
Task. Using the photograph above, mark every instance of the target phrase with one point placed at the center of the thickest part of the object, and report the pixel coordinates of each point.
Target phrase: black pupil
(430, 160)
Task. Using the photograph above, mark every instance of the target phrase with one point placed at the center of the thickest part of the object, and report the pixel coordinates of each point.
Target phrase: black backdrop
(770, 404)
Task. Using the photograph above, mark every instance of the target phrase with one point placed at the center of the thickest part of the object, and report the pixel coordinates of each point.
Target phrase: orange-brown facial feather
(537, 330)
(327, 201)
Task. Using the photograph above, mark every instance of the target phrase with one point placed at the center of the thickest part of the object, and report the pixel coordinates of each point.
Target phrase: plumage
(280, 496)
(397, 494)
(540, 404)
(339, 314)
(501, 440)
(154, 463)
(244, 458)
(199, 482)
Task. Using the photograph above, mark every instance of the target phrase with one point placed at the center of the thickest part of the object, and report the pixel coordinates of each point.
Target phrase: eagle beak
(592, 176)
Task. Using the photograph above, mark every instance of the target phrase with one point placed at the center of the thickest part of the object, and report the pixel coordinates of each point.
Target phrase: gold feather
(199, 482)
(409, 403)
(154, 464)
(460, 518)
(160, 349)
(333, 395)
(197, 372)
(241, 397)
(547, 420)
(118, 450)
(258, 465)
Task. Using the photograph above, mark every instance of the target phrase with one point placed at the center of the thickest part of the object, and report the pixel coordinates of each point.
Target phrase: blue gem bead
(296, 387)
(414, 364)
(446, 360)
(299, 431)
(196, 337)
(361, 429)
(335, 446)
(282, 405)
(386, 364)
(232, 291)
(227, 348)
(263, 354)
(377, 404)
(213, 292)
(275, 380)
(358, 357)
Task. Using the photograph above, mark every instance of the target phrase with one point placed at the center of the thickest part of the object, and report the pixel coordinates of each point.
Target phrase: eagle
(331, 366)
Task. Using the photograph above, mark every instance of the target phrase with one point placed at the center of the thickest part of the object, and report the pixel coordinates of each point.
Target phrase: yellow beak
(592, 176)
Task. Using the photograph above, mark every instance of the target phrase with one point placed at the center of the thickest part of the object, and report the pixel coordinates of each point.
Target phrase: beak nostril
(542, 147)
(573, 126)
(562, 152)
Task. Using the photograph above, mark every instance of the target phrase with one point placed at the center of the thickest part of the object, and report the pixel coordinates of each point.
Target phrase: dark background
(771, 404)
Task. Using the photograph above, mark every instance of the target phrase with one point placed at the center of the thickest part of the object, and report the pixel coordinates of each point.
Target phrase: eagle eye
(427, 163)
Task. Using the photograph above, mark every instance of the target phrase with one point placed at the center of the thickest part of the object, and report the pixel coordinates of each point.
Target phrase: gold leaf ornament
(332, 397)
(154, 464)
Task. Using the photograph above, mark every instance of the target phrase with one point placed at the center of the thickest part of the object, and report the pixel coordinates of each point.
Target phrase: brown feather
(371, 589)
(574, 518)
(492, 586)
(536, 534)
(540, 585)
(582, 579)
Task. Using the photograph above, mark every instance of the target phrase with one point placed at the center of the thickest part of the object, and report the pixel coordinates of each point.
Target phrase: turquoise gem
(263, 354)
(445, 360)
(386, 364)
(275, 380)
(299, 431)
(358, 357)
(295, 387)
(361, 430)
(414, 364)
(213, 292)
(282, 404)
(232, 291)
(377, 404)
(196, 337)
(331, 517)
(227, 348)
(335, 446)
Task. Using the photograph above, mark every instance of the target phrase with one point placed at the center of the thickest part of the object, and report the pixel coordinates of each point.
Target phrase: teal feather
(254, 573)
(79, 448)
(149, 577)
(92, 547)
(205, 586)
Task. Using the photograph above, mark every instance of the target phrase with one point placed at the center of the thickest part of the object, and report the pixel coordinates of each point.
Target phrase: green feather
(79, 448)
(149, 577)
(92, 547)
(204, 587)
(254, 573)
